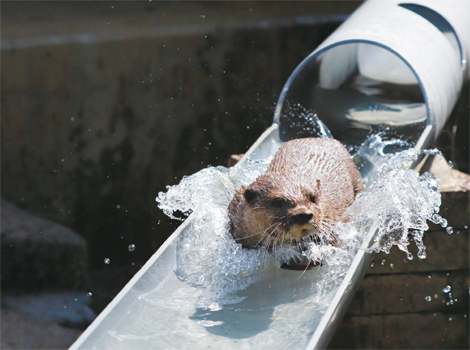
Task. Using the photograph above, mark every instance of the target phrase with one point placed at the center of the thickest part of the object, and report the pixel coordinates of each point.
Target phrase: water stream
(221, 296)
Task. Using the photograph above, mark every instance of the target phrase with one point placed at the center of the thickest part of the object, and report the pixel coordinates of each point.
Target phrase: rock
(66, 309)
(19, 331)
(37, 253)
(451, 179)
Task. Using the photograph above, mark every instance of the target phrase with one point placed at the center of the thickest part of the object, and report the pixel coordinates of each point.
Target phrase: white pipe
(437, 59)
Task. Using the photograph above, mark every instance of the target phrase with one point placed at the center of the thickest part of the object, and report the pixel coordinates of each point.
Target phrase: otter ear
(250, 195)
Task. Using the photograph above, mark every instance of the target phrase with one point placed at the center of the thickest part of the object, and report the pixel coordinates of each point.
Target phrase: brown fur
(304, 192)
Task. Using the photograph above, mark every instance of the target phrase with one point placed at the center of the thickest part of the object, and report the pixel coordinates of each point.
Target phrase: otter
(306, 189)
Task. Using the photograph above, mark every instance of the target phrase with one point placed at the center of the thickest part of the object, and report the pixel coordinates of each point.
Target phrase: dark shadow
(254, 314)
(245, 319)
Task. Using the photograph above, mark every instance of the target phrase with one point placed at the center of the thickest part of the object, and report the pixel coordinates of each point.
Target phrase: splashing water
(223, 296)
(208, 257)
(303, 122)
(397, 200)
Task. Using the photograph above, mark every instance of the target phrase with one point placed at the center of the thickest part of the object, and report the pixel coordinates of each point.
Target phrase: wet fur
(304, 192)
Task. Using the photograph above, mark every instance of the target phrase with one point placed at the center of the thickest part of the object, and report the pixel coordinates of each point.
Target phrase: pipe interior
(347, 87)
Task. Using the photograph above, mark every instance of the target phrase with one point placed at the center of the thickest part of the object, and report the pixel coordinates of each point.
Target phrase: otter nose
(302, 219)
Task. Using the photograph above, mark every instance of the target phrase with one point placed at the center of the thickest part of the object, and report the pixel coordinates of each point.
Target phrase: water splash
(221, 294)
(208, 257)
(397, 201)
(302, 122)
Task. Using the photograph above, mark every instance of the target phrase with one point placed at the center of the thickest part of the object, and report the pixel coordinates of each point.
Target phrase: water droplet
(451, 302)
(430, 277)
(383, 262)
(436, 218)
(131, 247)
(451, 165)
(465, 227)
(447, 289)
(436, 296)
(89, 294)
(372, 264)
(392, 266)
(107, 261)
(428, 298)
(449, 230)
(443, 222)
(450, 318)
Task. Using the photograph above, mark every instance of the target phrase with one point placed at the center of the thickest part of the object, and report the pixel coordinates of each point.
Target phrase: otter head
(276, 209)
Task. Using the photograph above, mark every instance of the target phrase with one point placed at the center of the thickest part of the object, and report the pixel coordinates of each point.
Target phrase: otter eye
(278, 202)
(312, 198)
(249, 195)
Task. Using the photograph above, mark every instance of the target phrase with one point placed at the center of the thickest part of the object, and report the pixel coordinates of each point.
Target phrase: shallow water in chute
(223, 296)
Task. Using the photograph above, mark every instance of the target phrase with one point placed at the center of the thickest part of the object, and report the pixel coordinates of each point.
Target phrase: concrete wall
(390, 310)
(104, 104)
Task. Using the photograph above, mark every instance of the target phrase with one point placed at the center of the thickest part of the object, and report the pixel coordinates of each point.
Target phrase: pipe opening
(439, 22)
(356, 89)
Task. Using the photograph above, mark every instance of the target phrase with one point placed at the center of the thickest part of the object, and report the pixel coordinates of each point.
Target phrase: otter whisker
(270, 227)
(256, 208)
(240, 238)
(273, 234)
(263, 236)
(273, 239)
(310, 176)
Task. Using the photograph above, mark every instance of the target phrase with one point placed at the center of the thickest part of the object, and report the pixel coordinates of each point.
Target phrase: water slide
(383, 84)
